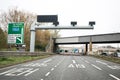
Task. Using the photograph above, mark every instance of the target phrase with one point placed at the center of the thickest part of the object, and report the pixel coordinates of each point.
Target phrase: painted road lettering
(19, 71)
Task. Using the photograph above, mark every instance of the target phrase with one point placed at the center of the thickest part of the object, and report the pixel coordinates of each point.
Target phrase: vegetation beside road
(12, 60)
(108, 58)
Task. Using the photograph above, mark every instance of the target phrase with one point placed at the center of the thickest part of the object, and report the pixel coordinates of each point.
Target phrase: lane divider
(47, 74)
(114, 77)
(96, 67)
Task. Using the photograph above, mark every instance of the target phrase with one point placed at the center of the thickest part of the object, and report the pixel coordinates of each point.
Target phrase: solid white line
(96, 67)
(114, 77)
(47, 74)
(73, 61)
(52, 69)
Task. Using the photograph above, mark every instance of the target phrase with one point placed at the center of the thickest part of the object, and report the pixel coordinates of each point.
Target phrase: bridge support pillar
(54, 46)
(90, 46)
(86, 49)
(32, 41)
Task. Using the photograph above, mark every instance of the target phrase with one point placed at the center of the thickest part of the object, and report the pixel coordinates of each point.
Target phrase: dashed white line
(96, 67)
(87, 62)
(41, 79)
(101, 62)
(114, 77)
(73, 61)
(82, 66)
(47, 74)
(52, 69)
(47, 60)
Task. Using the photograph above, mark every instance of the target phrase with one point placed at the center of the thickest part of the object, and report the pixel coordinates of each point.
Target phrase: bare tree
(15, 15)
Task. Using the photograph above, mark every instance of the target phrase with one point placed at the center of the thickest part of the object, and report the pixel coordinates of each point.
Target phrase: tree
(3, 39)
(42, 39)
(15, 15)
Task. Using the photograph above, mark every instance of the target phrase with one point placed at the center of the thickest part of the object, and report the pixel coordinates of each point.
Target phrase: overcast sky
(106, 13)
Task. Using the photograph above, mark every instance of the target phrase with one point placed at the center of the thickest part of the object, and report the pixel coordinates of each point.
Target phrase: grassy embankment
(8, 61)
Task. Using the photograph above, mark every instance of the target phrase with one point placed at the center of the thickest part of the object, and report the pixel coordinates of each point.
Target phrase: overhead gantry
(52, 19)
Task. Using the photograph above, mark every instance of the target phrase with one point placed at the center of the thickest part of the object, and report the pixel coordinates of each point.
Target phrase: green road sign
(16, 33)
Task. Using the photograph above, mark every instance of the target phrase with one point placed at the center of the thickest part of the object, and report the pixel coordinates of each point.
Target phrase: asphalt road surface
(63, 68)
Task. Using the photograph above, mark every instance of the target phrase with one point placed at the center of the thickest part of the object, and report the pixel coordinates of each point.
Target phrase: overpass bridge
(89, 39)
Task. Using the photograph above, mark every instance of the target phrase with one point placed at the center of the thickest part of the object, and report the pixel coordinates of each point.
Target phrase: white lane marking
(8, 71)
(101, 62)
(41, 79)
(55, 65)
(114, 77)
(96, 67)
(19, 71)
(114, 67)
(47, 60)
(82, 66)
(82, 58)
(73, 61)
(47, 74)
(71, 65)
(31, 72)
(52, 69)
(87, 62)
(36, 64)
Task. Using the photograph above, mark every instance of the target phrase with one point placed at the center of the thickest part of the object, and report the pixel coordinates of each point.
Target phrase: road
(61, 67)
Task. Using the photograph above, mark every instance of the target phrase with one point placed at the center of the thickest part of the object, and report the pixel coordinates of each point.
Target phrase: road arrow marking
(71, 65)
(73, 61)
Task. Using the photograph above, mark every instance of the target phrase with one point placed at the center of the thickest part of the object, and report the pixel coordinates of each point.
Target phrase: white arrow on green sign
(16, 33)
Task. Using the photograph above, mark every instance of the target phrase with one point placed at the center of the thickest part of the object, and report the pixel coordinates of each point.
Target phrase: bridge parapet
(101, 38)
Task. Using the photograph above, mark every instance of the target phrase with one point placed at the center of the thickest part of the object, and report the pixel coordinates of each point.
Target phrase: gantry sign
(52, 19)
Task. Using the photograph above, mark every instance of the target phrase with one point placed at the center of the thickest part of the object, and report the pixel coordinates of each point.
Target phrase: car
(104, 54)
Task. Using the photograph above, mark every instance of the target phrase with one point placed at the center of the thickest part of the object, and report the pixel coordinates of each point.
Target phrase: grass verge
(8, 61)
(108, 58)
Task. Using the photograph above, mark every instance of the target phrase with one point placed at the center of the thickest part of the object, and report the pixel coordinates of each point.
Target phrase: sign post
(16, 33)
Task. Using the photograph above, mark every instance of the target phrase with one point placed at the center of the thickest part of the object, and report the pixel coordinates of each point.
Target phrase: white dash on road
(114, 77)
(96, 67)
(41, 79)
(47, 60)
(47, 74)
(101, 62)
(52, 69)
(73, 61)
(87, 62)
(82, 66)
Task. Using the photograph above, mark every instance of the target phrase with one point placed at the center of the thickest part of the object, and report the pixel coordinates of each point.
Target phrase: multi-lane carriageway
(61, 67)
